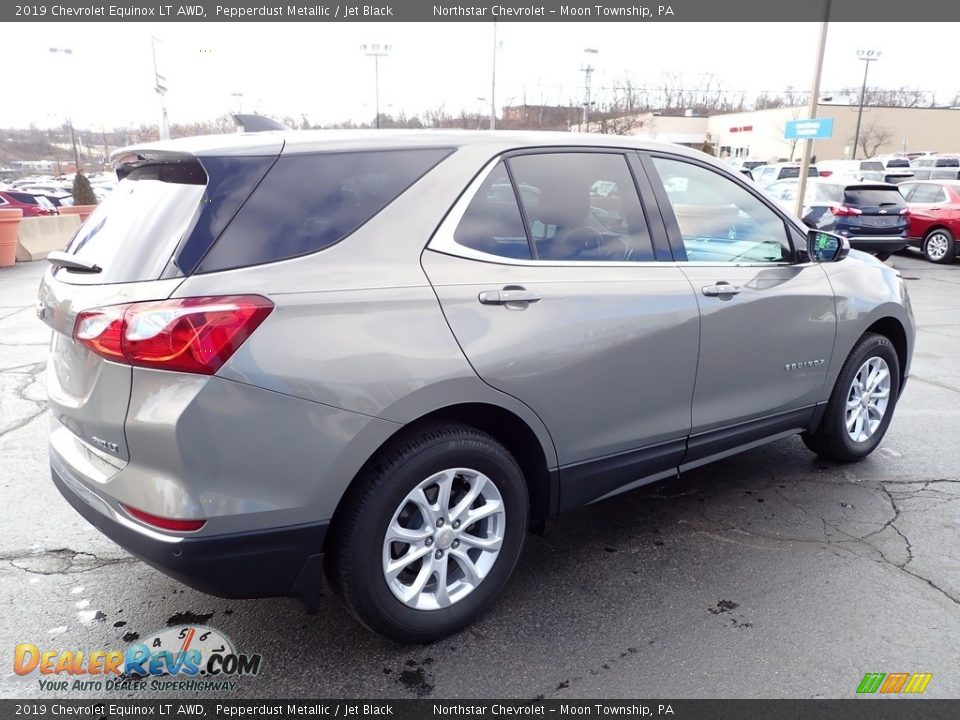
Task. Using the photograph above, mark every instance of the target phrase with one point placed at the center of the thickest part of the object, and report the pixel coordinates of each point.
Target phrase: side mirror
(826, 247)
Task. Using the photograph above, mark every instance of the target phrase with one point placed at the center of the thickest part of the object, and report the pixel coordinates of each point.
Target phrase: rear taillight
(173, 524)
(905, 211)
(826, 173)
(194, 335)
(844, 211)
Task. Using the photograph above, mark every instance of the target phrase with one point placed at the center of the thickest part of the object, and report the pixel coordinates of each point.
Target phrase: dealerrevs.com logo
(187, 658)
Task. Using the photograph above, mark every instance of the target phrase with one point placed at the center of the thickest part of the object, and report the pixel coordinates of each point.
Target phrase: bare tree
(873, 136)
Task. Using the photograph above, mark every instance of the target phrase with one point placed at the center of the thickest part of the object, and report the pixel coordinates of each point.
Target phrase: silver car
(387, 357)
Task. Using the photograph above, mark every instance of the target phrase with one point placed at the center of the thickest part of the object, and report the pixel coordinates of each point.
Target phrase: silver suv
(387, 357)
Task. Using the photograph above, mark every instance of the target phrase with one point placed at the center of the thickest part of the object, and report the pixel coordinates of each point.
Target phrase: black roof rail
(257, 123)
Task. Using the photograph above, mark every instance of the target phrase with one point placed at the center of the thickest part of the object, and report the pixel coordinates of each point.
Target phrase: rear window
(309, 202)
(873, 197)
(794, 172)
(132, 233)
(947, 162)
(25, 198)
(872, 166)
(898, 163)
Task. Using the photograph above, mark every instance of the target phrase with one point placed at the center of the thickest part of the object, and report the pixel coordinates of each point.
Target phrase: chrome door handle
(722, 290)
(504, 297)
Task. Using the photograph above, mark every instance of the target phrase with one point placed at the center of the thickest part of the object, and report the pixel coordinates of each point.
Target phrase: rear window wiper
(72, 262)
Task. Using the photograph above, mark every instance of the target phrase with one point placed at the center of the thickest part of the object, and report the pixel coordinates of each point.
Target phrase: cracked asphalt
(770, 574)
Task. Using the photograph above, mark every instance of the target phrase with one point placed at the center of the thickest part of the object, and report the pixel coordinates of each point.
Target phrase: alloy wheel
(937, 246)
(867, 399)
(443, 539)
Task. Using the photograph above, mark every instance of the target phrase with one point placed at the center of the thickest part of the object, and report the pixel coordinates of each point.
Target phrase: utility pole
(73, 135)
(160, 87)
(587, 71)
(812, 110)
(868, 56)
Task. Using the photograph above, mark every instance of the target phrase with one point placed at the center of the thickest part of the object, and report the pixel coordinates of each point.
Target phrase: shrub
(82, 192)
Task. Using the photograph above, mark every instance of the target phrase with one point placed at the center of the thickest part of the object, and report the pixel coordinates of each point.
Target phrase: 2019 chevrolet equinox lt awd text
(386, 357)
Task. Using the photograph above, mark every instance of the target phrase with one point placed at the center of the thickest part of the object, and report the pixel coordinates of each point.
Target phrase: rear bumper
(264, 563)
(878, 243)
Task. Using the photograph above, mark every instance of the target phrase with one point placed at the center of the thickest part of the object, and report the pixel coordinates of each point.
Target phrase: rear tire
(857, 417)
(883, 256)
(939, 246)
(400, 495)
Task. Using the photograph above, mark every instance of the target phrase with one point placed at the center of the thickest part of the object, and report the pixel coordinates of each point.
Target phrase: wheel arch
(503, 425)
(892, 329)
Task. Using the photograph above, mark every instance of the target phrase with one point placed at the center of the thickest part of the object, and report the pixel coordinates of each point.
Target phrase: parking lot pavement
(770, 574)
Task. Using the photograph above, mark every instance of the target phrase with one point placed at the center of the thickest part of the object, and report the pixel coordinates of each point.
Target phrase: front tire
(862, 402)
(431, 534)
(939, 246)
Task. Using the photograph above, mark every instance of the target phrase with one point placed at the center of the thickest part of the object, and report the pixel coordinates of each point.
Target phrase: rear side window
(309, 202)
(582, 207)
(492, 223)
(873, 197)
(926, 194)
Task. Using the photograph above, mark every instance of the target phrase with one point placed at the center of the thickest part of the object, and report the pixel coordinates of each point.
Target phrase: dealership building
(759, 134)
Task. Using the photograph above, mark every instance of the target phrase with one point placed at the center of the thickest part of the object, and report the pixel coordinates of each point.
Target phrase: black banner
(855, 709)
(482, 11)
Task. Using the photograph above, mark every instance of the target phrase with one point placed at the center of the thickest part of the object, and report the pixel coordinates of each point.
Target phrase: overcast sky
(319, 70)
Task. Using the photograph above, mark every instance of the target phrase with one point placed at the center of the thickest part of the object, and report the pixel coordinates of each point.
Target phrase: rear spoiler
(257, 123)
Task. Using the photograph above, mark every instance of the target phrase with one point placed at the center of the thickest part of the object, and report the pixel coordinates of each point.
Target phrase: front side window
(582, 207)
(719, 220)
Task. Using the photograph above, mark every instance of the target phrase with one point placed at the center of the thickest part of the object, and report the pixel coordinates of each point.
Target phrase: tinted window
(719, 220)
(492, 223)
(872, 197)
(309, 202)
(582, 207)
(926, 193)
(947, 162)
(133, 232)
(25, 198)
(898, 163)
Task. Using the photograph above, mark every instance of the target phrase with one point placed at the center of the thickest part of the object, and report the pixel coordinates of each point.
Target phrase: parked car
(897, 169)
(31, 205)
(781, 171)
(873, 216)
(934, 218)
(936, 173)
(282, 354)
(852, 170)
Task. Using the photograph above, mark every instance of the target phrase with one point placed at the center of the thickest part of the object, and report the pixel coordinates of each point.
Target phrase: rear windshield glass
(794, 172)
(25, 198)
(309, 202)
(872, 166)
(948, 162)
(869, 197)
(898, 162)
(132, 233)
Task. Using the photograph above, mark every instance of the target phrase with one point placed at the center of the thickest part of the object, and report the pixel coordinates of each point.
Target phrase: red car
(934, 218)
(31, 205)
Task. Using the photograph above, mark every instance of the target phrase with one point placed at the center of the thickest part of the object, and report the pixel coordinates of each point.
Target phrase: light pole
(239, 97)
(73, 135)
(160, 87)
(868, 56)
(376, 51)
(493, 81)
(587, 71)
